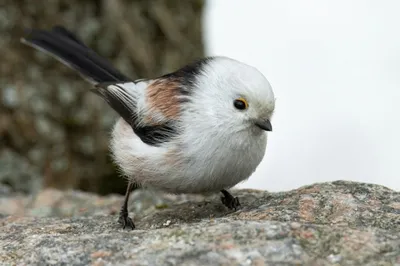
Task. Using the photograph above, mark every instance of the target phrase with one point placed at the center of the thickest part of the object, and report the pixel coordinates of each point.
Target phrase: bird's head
(234, 95)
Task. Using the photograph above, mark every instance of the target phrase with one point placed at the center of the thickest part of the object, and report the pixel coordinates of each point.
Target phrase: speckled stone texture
(53, 131)
(338, 223)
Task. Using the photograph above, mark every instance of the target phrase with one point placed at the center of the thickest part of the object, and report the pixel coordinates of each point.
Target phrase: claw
(229, 201)
(125, 220)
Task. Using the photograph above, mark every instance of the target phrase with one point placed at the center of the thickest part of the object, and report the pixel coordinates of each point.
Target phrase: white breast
(205, 164)
(213, 163)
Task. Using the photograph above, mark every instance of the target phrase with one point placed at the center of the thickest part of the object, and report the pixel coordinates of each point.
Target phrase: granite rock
(337, 223)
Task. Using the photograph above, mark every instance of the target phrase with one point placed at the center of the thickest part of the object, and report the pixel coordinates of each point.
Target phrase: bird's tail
(64, 46)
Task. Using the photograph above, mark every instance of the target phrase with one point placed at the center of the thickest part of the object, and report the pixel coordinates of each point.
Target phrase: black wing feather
(64, 46)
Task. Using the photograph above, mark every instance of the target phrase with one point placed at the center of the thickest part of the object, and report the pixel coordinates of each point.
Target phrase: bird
(199, 129)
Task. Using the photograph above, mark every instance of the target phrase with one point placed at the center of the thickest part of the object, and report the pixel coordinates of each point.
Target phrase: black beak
(264, 124)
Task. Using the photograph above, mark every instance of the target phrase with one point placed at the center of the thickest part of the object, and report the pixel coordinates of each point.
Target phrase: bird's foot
(125, 220)
(230, 201)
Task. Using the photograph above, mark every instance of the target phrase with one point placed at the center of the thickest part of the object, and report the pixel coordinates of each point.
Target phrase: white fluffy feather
(218, 146)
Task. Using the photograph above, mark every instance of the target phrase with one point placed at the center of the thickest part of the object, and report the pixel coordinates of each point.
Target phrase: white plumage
(217, 145)
(200, 129)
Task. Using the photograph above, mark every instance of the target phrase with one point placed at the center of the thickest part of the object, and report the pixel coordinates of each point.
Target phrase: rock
(337, 223)
(46, 109)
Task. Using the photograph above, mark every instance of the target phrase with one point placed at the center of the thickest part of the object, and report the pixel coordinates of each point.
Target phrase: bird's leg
(230, 201)
(124, 218)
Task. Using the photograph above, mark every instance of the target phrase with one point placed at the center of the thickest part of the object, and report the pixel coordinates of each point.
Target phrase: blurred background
(333, 66)
(335, 70)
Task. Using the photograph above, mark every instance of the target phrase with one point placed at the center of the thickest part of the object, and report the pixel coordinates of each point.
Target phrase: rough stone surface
(49, 122)
(338, 223)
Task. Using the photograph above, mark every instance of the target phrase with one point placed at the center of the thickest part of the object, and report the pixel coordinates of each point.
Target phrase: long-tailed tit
(200, 129)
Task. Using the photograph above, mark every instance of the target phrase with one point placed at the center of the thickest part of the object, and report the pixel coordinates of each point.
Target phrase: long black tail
(64, 46)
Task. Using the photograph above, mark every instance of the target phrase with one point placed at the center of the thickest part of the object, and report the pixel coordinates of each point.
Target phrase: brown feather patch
(162, 97)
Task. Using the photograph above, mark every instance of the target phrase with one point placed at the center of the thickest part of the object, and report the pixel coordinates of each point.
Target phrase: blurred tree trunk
(53, 131)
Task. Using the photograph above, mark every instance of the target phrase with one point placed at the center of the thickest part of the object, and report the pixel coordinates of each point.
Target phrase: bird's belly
(207, 168)
(211, 172)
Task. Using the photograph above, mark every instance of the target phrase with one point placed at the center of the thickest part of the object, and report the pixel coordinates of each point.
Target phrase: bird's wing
(148, 106)
(151, 107)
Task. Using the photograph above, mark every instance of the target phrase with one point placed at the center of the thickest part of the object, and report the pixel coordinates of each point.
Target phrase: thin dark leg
(230, 201)
(124, 219)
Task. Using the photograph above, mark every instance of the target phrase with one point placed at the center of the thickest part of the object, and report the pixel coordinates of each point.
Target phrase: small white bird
(200, 129)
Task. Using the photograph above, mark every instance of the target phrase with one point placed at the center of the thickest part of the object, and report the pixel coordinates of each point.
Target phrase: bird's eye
(240, 104)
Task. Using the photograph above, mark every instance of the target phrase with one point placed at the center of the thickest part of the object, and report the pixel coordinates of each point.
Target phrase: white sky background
(335, 70)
